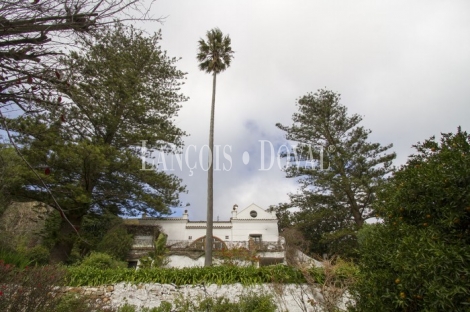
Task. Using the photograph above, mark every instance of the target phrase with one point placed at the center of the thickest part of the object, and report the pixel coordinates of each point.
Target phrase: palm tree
(214, 56)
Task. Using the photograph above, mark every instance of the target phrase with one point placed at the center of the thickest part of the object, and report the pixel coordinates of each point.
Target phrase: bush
(72, 303)
(259, 303)
(29, 289)
(93, 229)
(102, 261)
(164, 307)
(419, 258)
(38, 255)
(247, 303)
(116, 242)
(14, 258)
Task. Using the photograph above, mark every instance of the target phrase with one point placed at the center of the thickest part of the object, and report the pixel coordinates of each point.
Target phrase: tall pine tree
(338, 169)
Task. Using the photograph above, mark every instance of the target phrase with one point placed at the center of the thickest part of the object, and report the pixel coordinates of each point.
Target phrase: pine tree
(338, 170)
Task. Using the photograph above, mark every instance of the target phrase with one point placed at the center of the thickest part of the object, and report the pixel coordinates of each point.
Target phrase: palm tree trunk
(210, 184)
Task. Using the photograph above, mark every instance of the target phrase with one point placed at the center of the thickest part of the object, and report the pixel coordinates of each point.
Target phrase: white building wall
(238, 229)
(266, 228)
(175, 229)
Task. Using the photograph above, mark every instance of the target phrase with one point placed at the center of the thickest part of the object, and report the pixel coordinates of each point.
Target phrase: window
(199, 243)
(190, 237)
(254, 241)
(256, 238)
(226, 236)
(253, 214)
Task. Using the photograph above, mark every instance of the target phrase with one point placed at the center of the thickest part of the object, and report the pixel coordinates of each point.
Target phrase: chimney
(234, 211)
(185, 215)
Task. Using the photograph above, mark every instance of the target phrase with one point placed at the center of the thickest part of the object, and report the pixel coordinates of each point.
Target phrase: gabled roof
(255, 212)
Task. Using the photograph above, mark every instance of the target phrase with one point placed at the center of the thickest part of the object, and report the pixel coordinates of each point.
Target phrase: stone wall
(288, 297)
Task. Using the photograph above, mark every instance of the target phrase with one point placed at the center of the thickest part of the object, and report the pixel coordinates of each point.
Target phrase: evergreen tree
(338, 170)
(121, 89)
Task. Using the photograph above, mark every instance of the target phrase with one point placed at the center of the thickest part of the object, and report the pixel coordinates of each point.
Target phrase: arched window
(217, 244)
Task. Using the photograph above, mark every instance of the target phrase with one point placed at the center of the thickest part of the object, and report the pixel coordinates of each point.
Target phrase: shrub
(102, 261)
(38, 255)
(164, 307)
(72, 303)
(93, 229)
(254, 302)
(29, 289)
(12, 257)
(419, 258)
(116, 242)
(251, 302)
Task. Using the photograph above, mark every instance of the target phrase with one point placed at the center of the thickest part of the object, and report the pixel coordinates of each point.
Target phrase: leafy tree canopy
(419, 258)
(121, 89)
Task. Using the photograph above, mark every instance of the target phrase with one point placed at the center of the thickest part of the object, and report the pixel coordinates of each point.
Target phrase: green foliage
(102, 261)
(94, 227)
(92, 276)
(339, 173)
(103, 233)
(259, 303)
(116, 242)
(51, 231)
(127, 308)
(72, 303)
(12, 257)
(121, 89)
(250, 302)
(11, 167)
(38, 254)
(206, 304)
(164, 307)
(215, 54)
(157, 258)
(419, 258)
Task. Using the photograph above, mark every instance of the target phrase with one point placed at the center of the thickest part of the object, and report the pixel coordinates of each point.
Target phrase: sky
(403, 66)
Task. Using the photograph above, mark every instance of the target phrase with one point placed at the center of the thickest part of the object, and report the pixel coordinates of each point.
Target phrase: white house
(250, 228)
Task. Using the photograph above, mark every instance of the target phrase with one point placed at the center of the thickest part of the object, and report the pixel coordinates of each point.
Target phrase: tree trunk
(210, 184)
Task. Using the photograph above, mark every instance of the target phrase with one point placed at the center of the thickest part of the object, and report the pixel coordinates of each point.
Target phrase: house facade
(252, 228)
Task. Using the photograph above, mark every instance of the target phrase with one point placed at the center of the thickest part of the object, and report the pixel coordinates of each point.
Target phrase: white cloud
(404, 66)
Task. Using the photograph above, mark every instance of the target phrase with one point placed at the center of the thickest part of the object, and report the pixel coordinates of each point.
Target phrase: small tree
(419, 258)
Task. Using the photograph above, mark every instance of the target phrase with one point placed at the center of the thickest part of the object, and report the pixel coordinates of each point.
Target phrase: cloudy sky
(404, 67)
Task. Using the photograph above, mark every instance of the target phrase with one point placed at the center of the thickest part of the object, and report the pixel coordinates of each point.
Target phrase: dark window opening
(132, 264)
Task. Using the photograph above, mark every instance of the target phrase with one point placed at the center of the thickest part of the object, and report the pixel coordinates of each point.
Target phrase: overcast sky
(404, 66)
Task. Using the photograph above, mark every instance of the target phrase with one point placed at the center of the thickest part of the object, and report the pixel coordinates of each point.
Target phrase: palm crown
(216, 54)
